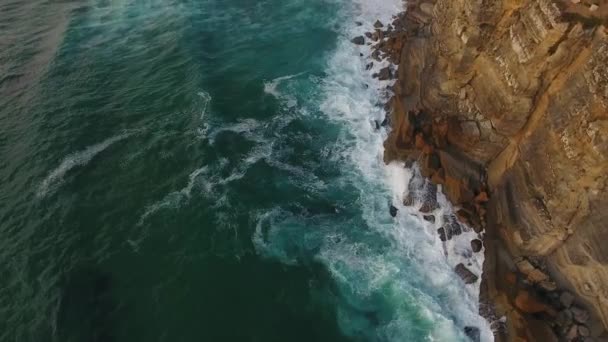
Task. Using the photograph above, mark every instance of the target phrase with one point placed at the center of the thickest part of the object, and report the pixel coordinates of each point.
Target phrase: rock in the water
(466, 275)
(384, 74)
(378, 24)
(473, 333)
(358, 40)
(442, 235)
(476, 245)
(368, 35)
(393, 210)
(429, 218)
(579, 315)
(369, 65)
(566, 299)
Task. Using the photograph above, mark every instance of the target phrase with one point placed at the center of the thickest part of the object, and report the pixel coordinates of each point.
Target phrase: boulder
(473, 333)
(358, 40)
(384, 74)
(393, 210)
(466, 275)
(442, 234)
(378, 24)
(476, 245)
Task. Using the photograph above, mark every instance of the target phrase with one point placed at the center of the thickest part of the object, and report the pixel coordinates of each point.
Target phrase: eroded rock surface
(505, 104)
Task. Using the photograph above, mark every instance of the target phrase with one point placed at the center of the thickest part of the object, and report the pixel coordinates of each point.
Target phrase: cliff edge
(505, 104)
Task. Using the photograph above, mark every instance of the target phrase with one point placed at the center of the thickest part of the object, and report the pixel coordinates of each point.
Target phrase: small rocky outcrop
(505, 105)
(359, 40)
(473, 333)
(476, 245)
(393, 210)
(466, 274)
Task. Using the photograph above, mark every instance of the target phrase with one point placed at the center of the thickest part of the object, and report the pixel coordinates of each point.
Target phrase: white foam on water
(272, 88)
(246, 127)
(54, 179)
(174, 198)
(203, 107)
(415, 271)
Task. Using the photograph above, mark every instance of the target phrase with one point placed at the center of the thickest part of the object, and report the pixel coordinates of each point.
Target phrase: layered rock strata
(504, 103)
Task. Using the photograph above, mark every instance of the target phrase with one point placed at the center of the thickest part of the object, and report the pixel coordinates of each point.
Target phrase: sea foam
(80, 158)
(411, 277)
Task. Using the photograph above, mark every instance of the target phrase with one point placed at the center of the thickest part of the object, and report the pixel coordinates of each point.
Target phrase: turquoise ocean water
(209, 170)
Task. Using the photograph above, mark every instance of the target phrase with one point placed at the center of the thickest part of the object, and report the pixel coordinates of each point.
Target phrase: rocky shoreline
(479, 88)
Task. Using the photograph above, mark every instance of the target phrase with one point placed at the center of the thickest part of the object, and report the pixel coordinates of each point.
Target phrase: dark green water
(207, 170)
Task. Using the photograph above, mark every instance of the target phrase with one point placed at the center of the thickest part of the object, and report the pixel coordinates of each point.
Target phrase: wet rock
(384, 74)
(377, 124)
(452, 229)
(473, 333)
(369, 65)
(579, 315)
(466, 274)
(442, 234)
(393, 211)
(476, 245)
(358, 23)
(376, 55)
(378, 24)
(368, 35)
(358, 40)
(566, 299)
(429, 218)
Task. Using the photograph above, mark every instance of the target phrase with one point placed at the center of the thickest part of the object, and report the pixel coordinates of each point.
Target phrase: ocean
(211, 170)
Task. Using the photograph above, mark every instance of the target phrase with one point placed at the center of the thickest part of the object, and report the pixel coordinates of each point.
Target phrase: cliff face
(509, 98)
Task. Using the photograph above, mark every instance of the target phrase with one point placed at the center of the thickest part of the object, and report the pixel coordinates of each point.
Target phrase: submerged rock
(473, 333)
(442, 234)
(358, 40)
(384, 74)
(393, 210)
(466, 274)
(476, 245)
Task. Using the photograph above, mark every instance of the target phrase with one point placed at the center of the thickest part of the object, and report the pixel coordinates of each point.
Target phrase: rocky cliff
(505, 104)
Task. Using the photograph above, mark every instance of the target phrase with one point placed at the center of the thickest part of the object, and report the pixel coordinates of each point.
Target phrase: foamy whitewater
(414, 266)
(213, 171)
(75, 159)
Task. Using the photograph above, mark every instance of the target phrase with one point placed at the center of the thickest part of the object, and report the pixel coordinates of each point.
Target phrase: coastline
(524, 296)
